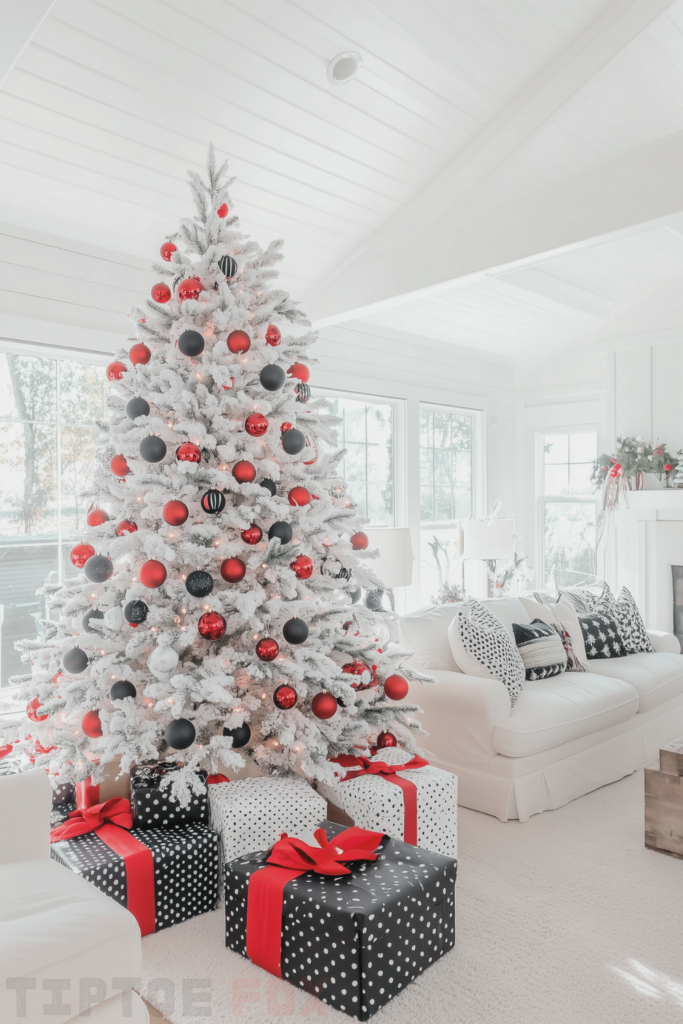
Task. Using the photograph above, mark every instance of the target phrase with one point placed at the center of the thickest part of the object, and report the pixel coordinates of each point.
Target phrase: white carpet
(565, 919)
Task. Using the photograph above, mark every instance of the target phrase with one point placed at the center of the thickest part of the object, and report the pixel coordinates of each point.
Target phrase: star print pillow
(602, 637)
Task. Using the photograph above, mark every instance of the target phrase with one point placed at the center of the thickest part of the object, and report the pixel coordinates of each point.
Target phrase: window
(568, 507)
(48, 413)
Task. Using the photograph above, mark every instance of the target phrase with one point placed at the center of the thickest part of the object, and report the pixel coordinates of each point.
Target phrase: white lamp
(394, 567)
(488, 540)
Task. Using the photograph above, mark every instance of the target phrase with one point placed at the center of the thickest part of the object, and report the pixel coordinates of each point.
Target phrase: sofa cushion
(656, 677)
(541, 648)
(426, 635)
(565, 616)
(554, 711)
(626, 614)
(508, 610)
(482, 646)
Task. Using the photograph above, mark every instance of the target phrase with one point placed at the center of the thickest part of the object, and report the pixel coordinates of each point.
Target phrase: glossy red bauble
(284, 427)
(125, 526)
(96, 517)
(190, 288)
(238, 342)
(189, 452)
(324, 705)
(80, 554)
(161, 292)
(367, 677)
(299, 496)
(300, 371)
(32, 711)
(119, 466)
(175, 513)
(91, 725)
(256, 424)
(395, 687)
(222, 210)
(285, 697)
(267, 649)
(116, 370)
(233, 570)
(273, 335)
(211, 626)
(139, 354)
(167, 250)
(244, 472)
(152, 573)
(226, 387)
(359, 541)
(303, 566)
(386, 739)
(252, 535)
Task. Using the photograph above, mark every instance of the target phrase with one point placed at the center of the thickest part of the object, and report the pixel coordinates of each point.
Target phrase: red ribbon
(291, 858)
(388, 772)
(111, 822)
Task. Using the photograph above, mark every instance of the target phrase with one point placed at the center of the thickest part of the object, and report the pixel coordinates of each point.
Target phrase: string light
(170, 700)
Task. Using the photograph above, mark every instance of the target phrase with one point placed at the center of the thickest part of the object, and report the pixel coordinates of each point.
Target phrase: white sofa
(565, 736)
(63, 944)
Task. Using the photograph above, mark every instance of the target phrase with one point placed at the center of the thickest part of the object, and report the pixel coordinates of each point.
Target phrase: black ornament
(228, 266)
(180, 734)
(269, 485)
(340, 702)
(75, 661)
(98, 568)
(152, 448)
(213, 502)
(282, 530)
(199, 583)
(373, 600)
(240, 736)
(295, 631)
(95, 614)
(293, 441)
(333, 567)
(191, 343)
(356, 596)
(135, 612)
(137, 407)
(272, 377)
(303, 392)
(122, 689)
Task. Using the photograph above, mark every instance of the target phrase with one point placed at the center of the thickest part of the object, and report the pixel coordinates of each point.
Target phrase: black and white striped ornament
(303, 392)
(228, 266)
(213, 502)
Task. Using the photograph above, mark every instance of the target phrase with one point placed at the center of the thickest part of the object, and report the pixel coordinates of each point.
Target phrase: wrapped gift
(384, 912)
(156, 807)
(403, 796)
(162, 875)
(89, 793)
(251, 814)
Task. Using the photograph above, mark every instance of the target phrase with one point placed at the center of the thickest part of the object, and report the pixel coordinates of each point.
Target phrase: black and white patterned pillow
(541, 649)
(626, 614)
(601, 636)
(573, 663)
(582, 599)
(486, 640)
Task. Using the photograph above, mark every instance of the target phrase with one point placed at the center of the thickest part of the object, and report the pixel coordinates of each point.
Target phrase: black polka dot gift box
(162, 875)
(154, 805)
(352, 920)
(418, 804)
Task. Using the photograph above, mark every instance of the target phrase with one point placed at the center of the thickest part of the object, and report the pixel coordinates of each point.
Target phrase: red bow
(116, 811)
(326, 858)
(368, 767)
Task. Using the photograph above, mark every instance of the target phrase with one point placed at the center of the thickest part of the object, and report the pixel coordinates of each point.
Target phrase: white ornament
(113, 618)
(162, 661)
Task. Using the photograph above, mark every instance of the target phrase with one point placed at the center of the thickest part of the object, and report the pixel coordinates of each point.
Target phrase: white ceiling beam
(361, 279)
(20, 20)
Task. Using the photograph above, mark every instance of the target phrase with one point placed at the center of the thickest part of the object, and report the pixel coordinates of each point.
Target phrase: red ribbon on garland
(388, 771)
(289, 859)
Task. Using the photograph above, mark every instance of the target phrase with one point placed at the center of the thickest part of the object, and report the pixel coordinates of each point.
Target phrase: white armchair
(64, 946)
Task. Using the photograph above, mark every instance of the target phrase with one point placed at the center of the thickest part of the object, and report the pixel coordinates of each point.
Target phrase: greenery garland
(633, 455)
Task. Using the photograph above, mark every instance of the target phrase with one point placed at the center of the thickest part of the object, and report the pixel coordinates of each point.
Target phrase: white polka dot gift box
(156, 807)
(418, 805)
(251, 814)
(162, 875)
(352, 920)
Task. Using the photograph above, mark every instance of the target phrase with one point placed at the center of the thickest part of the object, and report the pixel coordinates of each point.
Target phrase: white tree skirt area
(566, 918)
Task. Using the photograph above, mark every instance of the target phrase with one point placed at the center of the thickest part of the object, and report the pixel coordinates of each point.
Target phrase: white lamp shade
(395, 563)
(489, 540)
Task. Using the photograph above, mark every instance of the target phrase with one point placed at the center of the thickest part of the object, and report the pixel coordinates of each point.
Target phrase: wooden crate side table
(664, 800)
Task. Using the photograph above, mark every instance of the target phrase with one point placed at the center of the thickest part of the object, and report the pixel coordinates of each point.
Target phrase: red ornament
(300, 371)
(668, 467)
(233, 570)
(152, 574)
(139, 354)
(359, 668)
(303, 566)
(116, 370)
(161, 292)
(190, 288)
(285, 697)
(299, 496)
(239, 341)
(226, 387)
(222, 210)
(252, 535)
(324, 705)
(125, 526)
(91, 725)
(211, 626)
(285, 426)
(256, 424)
(386, 739)
(167, 250)
(267, 649)
(32, 711)
(40, 749)
(273, 335)
(96, 517)
(395, 687)
(175, 513)
(359, 541)
(80, 554)
(119, 466)
(188, 452)
(244, 472)
(4, 751)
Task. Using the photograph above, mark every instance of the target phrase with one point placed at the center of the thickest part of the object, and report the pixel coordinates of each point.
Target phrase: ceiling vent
(344, 67)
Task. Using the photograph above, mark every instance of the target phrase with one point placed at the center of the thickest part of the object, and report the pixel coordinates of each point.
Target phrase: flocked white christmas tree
(214, 616)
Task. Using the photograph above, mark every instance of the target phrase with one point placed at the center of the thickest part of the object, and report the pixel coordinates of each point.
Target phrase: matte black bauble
(137, 407)
(269, 485)
(180, 734)
(272, 377)
(191, 343)
(240, 736)
(88, 617)
(282, 530)
(293, 441)
(356, 596)
(199, 583)
(122, 689)
(213, 502)
(75, 661)
(295, 631)
(152, 448)
(228, 266)
(98, 568)
(135, 612)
